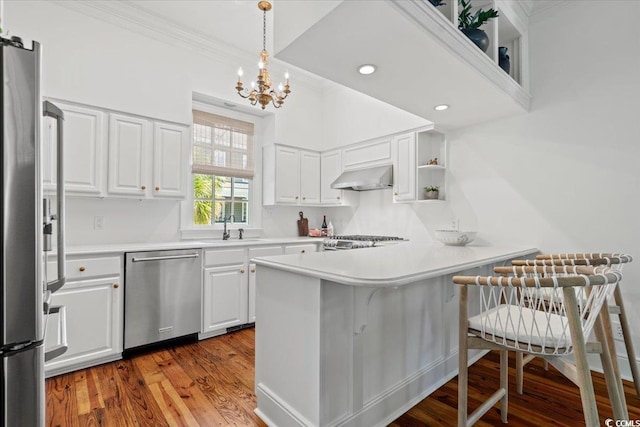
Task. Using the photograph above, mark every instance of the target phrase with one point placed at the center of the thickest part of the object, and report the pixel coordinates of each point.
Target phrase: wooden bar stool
(539, 316)
(615, 306)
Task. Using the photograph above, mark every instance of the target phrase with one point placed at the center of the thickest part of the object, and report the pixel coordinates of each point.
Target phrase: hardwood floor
(210, 383)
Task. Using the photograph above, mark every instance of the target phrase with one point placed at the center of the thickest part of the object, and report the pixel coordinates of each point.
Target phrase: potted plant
(470, 23)
(432, 192)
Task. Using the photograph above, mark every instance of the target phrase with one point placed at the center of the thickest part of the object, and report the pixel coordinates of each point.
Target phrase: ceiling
(237, 23)
(234, 27)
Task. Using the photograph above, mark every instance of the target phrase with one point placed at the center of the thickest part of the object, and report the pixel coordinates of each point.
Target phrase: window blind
(222, 146)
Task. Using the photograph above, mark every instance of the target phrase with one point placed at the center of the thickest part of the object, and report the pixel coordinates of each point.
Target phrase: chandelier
(261, 90)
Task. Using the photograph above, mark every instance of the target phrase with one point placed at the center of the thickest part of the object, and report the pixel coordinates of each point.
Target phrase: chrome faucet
(226, 234)
(241, 231)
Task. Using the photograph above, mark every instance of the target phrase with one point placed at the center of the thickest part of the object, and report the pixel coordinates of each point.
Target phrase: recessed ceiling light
(441, 107)
(367, 69)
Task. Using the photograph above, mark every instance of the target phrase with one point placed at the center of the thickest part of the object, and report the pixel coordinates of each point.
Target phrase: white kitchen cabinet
(225, 297)
(309, 177)
(290, 176)
(287, 175)
(330, 170)
(85, 135)
(372, 153)
(404, 168)
(169, 160)
(129, 140)
(94, 314)
(143, 163)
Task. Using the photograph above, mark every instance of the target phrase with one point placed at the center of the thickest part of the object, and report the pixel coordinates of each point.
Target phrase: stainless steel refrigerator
(26, 236)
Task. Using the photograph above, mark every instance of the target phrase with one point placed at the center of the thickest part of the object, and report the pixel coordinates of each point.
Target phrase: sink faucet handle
(241, 231)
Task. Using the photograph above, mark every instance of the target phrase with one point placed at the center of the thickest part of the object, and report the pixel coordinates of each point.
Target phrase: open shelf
(431, 144)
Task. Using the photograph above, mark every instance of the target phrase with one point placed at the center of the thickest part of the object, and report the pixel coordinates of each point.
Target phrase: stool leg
(587, 394)
(519, 371)
(463, 357)
(608, 341)
(618, 404)
(628, 343)
(504, 383)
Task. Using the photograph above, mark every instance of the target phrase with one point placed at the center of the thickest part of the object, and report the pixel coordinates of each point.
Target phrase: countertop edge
(184, 244)
(392, 281)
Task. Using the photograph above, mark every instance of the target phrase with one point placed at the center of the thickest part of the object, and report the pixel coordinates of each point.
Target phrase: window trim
(190, 230)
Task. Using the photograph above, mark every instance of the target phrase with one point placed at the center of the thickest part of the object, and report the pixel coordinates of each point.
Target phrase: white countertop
(392, 265)
(186, 244)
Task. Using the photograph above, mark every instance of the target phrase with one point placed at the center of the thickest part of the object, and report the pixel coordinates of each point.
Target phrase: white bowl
(455, 238)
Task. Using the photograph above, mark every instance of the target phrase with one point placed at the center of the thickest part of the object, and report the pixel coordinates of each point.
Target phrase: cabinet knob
(253, 270)
(116, 286)
(81, 269)
(304, 198)
(144, 187)
(302, 251)
(338, 197)
(157, 188)
(297, 197)
(395, 194)
(242, 271)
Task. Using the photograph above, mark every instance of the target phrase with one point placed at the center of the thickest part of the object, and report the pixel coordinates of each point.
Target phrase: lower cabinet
(93, 324)
(224, 297)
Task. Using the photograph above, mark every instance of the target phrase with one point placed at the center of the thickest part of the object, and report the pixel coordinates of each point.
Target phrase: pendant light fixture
(261, 91)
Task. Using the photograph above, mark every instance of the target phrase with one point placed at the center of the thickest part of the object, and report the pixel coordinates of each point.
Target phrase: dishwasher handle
(162, 258)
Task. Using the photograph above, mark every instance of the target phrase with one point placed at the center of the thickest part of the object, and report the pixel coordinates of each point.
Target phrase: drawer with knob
(82, 268)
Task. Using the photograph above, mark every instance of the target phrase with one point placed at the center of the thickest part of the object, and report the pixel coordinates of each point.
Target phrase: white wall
(565, 177)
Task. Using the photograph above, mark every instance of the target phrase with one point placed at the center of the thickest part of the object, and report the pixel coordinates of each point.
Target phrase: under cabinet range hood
(374, 178)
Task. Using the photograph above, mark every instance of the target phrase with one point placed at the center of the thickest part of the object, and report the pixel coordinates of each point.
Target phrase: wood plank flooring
(210, 383)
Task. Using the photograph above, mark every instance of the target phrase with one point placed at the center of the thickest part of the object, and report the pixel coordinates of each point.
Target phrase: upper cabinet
(404, 168)
(290, 176)
(330, 170)
(146, 158)
(116, 154)
(129, 140)
(85, 137)
(427, 62)
(170, 146)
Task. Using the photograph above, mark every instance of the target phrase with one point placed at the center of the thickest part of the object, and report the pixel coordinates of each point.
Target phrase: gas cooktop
(357, 241)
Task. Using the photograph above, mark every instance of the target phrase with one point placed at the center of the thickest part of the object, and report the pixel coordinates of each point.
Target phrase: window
(222, 153)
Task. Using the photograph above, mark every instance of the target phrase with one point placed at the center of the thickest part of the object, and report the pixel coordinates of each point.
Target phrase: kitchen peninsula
(355, 338)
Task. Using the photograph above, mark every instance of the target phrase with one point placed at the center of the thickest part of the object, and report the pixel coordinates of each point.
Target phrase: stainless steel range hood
(374, 178)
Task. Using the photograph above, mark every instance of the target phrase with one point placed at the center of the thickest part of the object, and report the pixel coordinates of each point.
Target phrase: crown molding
(125, 14)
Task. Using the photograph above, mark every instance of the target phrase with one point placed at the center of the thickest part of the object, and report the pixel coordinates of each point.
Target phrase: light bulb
(253, 85)
(240, 72)
(286, 75)
(280, 87)
(261, 65)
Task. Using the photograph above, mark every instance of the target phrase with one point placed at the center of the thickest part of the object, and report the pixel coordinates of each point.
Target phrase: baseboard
(83, 365)
(281, 413)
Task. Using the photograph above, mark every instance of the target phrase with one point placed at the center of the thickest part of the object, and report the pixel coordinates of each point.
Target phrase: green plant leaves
(467, 20)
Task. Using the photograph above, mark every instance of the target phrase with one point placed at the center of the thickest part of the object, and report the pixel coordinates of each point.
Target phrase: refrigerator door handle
(50, 110)
(61, 348)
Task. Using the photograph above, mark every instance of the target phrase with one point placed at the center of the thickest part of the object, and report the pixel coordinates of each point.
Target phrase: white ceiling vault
(228, 30)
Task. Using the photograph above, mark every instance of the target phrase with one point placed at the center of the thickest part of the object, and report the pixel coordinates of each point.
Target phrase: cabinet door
(169, 144)
(225, 297)
(128, 154)
(330, 169)
(93, 321)
(252, 293)
(309, 177)
(404, 168)
(84, 138)
(287, 175)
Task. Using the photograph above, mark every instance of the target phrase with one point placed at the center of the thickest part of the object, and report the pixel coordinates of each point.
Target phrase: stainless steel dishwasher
(162, 296)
